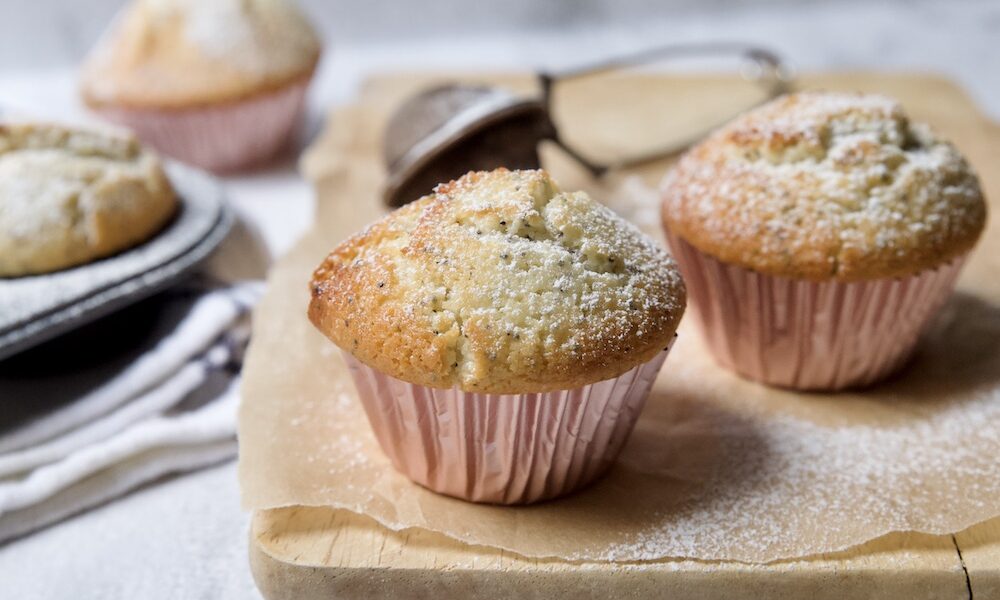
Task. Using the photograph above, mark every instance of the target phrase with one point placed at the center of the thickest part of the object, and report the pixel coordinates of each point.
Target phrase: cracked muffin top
(826, 186)
(499, 283)
(69, 196)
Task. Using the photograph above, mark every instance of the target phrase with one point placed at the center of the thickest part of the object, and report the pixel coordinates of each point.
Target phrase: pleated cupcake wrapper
(219, 138)
(503, 448)
(809, 335)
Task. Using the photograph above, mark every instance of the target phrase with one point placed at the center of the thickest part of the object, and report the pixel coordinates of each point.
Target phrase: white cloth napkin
(164, 406)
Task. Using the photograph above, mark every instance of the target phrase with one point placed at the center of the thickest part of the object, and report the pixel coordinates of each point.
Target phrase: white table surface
(186, 537)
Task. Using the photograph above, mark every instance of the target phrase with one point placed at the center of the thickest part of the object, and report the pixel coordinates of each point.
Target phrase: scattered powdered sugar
(717, 468)
(796, 477)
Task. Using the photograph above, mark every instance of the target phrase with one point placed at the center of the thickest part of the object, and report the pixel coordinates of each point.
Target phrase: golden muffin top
(69, 196)
(186, 53)
(823, 186)
(501, 283)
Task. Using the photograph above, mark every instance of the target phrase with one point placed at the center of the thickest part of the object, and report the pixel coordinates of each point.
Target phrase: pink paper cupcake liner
(503, 448)
(809, 335)
(219, 138)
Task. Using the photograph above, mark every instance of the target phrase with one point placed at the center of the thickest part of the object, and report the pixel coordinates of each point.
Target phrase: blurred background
(957, 38)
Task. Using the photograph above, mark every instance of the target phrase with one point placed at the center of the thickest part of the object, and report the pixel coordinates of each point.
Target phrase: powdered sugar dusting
(500, 282)
(797, 477)
(260, 36)
(821, 184)
(717, 468)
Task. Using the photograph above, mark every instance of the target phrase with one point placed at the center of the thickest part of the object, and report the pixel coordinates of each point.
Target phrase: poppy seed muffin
(818, 235)
(501, 283)
(502, 335)
(824, 186)
(70, 196)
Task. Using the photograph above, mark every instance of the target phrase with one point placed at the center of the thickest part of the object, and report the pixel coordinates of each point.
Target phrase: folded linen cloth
(108, 412)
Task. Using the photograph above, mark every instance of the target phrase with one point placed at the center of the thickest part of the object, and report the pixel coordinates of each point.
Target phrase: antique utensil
(441, 133)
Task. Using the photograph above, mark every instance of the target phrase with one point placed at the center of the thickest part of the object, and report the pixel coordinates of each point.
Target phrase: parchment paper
(718, 468)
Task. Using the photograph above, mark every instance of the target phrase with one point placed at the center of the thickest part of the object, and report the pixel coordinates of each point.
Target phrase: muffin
(503, 335)
(218, 84)
(69, 196)
(818, 235)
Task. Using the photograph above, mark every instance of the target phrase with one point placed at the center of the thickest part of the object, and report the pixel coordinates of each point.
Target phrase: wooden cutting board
(315, 552)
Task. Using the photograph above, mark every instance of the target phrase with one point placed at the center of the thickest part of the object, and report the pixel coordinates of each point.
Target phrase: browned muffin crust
(826, 186)
(500, 283)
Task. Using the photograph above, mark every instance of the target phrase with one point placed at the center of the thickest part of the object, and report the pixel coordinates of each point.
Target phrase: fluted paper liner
(716, 468)
(809, 335)
(220, 138)
(502, 448)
